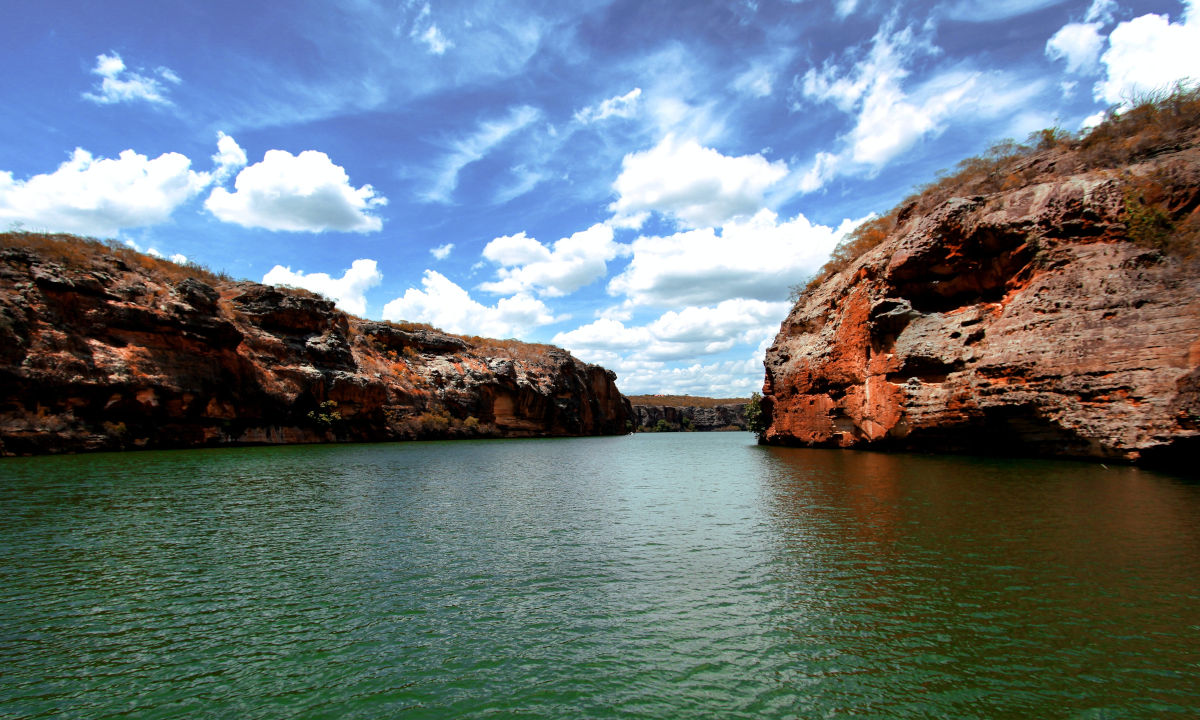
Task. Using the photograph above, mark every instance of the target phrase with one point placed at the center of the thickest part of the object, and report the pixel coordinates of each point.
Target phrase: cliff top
(89, 256)
(1157, 125)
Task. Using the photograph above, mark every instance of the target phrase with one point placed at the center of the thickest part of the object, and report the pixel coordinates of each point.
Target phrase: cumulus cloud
(724, 378)
(441, 252)
(229, 158)
(348, 291)
(695, 185)
(1080, 43)
(757, 258)
(1077, 43)
(527, 265)
(1148, 54)
(120, 84)
(621, 106)
(444, 304)
(475, 147)
(298, 193)
(684, 334)
(101, 196)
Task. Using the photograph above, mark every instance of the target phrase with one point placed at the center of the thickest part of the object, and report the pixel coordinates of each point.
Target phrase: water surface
(664, 575)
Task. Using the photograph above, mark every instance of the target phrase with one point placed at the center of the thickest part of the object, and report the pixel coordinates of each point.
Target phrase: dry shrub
(410, 326)
(1158, 122)
(510, 348)
(91, 254)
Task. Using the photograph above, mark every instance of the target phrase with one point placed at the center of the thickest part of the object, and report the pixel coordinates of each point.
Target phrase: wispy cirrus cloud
(488, 135)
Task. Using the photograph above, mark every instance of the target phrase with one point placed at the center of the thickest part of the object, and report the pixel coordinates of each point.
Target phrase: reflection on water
(670, 575)
(990, 588)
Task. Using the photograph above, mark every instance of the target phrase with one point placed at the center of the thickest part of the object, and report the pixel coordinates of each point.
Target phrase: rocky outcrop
(101, 349)
(731, 416)
(1025, 321)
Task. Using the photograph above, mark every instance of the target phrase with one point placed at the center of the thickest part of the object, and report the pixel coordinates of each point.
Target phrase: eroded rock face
(1024, 322)
(100, 355)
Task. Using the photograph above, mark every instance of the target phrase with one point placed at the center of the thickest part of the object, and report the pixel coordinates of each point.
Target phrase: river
(684, 575)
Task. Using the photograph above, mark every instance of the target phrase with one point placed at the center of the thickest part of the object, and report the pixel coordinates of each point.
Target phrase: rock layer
(98, 351)
(1022, 322)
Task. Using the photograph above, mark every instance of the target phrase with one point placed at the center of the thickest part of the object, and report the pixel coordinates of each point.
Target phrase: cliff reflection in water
(1011, 585)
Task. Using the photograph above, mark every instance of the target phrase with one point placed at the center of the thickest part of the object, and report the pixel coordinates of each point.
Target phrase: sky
(639, 182)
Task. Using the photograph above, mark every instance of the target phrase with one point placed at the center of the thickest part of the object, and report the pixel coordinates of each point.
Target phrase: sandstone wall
(1023, 322)
(103, 354)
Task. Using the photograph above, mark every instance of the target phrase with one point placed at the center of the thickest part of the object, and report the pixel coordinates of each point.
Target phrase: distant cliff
(1043, 300)
(701, 419)
(103, 348)
(675, 413)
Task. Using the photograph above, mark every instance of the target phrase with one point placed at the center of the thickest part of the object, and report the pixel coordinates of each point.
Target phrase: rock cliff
(102, 348)
(1058, 314)
(730, 416)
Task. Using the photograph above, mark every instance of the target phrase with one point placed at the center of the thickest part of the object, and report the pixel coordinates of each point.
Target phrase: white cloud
(1149, 54)
(120, 84)
(177, 258)
(101, 196)
(527, 265)
(1077, 43)
(685, 334)
(229, 157)
(845, 7)
(426, 31)
(990, 10)
(758, 258)
(1101, 11)
(621, 106)
(475, 147)
(437, 42)
(348, 291)
(695, 185)
(444, 304)
(889, 121)
(1080, 43)
(755, 82)
(725, 378)
(298, 193)
(441, 252)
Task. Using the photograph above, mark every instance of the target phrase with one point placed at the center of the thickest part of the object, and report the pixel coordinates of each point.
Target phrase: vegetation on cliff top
(90, 254)
(1157, 124)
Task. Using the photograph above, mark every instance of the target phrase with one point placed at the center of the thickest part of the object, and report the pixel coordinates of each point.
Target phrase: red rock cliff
(101, 348)
(1047, 318)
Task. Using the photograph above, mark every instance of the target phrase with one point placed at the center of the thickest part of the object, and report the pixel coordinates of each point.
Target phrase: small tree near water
(755, 422)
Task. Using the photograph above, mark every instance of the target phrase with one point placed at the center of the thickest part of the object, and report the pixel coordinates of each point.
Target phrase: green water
(656, 576)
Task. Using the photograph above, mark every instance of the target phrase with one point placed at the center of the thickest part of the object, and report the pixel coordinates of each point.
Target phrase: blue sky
(639, 182)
